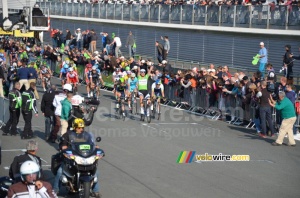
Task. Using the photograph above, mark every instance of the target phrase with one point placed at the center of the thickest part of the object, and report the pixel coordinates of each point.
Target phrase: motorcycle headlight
(85, 161)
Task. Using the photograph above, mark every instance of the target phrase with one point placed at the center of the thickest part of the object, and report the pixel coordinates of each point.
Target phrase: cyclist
(95, 78)
(63, 73)
(120, 93)
(72, 78)
(116, 77)
(132, 85)
(87, 70)
(45, 73)
(143, 88)
(157, 93)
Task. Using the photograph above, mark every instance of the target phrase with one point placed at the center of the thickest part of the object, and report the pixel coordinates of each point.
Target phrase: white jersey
(154, 87)
(57, 103)
(118, 75)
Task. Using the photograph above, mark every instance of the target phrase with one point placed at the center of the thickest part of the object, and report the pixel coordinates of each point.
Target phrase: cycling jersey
(64, 72)
(143, 82)
(95, 76)
(118, 75)
(44, 71)
(157, 91)
(132, 83)
(72, 75)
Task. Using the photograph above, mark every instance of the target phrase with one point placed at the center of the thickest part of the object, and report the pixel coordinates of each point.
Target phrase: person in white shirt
(57, 104)
(118, 43)
(78, 38)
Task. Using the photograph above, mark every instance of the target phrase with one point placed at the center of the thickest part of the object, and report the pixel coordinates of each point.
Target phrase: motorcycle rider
(78, 131)
(31, 185)
(30, 154)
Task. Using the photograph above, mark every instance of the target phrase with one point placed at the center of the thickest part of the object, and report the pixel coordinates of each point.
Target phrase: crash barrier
(4, 111)
(247, 16)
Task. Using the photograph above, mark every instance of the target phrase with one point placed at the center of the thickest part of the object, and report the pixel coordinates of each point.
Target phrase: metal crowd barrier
(4, 111)
(229, 107)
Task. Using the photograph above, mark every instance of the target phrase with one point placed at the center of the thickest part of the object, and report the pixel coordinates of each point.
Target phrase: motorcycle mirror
(98, 139)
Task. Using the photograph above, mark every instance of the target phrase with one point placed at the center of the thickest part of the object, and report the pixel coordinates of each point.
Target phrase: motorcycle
(5, 183)
(80, 162)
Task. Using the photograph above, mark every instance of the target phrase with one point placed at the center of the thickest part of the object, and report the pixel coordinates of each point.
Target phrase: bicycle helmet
(132, 75)
(66, 66)
(78, 123)
(122, 80)
(117, 69)
(128, 72)
(89, 65)
(143, 71)
(157, 82)
(164, 62)
(71, 69)
(29, 168)
(68, 62)
(94, 68)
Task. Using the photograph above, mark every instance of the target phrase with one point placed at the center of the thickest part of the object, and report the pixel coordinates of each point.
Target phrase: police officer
(28, 104)
(15, 102)
(30, 154)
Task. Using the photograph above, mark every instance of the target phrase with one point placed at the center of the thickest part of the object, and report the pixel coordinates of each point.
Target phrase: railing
(263, 17)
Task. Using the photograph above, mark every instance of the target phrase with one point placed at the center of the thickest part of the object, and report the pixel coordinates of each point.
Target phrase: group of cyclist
(135, 83)
(93, 78)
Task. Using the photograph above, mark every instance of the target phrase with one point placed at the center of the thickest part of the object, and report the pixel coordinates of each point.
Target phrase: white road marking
(24, 150)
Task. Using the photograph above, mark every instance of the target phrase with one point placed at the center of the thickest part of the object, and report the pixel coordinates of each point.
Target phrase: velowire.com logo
(186, 157)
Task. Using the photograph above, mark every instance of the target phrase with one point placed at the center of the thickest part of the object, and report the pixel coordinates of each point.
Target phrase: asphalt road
(140, 159)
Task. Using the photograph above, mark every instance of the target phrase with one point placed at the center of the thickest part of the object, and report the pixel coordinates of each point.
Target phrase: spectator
(166, 47)
(285, 106)
(2, 80)
(288, 62)
(30, 154)
(118, 43)
(263, 58)
(130, 43)
(265, 110)
(23, 74)
(47, 109)
(94, 38)
(78, 37)
(32, 78)
(160, 50)
(68, 37)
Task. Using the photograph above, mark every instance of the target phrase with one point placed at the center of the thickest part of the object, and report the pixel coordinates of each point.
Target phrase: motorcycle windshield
(83, 143)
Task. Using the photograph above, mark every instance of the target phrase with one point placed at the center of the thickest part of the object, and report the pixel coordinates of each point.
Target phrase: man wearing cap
(78, 38)
(263, 58)
(30, 154)
(57, 105)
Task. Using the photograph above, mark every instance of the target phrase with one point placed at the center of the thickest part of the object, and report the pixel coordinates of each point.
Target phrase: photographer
(190, 82)
(265, 110)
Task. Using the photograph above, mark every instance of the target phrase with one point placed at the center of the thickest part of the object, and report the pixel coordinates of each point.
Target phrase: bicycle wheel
(148, 113)
(154, 110)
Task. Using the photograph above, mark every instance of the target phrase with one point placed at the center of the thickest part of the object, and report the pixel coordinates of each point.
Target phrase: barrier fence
(248, 16)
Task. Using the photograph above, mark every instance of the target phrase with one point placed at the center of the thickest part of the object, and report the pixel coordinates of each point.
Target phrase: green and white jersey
(143, 82)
